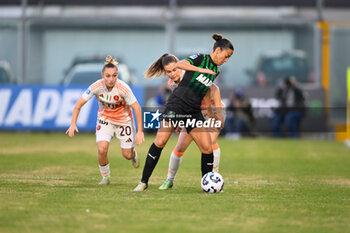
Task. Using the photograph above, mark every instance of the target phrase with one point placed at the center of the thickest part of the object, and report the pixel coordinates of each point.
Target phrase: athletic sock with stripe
(207, 163)
(104, 169)
(151, 162)
(174, 164)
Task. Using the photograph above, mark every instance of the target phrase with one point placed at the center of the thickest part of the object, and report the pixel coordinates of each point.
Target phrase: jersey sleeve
(195, 59)
(128, 94)
(92, 90)
(89, 93)
(130, 98)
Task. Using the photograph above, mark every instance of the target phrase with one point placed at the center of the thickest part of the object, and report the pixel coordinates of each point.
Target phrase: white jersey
(114, 105)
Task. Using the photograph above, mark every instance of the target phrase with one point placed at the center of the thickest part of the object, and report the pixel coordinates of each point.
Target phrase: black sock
(151, 162)
(207, 163)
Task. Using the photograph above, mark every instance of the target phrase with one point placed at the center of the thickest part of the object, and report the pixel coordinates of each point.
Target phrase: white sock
(174, 164)
(104, 171)
(216, 160)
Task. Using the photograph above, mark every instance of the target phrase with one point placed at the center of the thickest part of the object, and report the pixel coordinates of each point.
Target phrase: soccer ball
(212, 182)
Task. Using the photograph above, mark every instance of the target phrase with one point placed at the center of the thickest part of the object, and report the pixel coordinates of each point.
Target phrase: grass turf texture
(48, 182)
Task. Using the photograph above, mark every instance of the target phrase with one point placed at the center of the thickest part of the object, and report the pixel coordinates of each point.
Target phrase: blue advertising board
(44, 107)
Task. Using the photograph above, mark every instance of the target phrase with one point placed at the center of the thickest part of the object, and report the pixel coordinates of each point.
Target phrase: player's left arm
(138, 114)
(218, 103)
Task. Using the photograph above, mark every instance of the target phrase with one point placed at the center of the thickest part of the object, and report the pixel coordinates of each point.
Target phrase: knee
(207, 149)
(102, 151)
(180, 147)
(160, 142)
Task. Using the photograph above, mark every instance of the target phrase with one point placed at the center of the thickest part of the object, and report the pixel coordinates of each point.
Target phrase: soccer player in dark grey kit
(184, 105)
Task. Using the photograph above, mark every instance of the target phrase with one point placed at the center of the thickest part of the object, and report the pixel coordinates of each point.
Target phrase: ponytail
(157, 67)
(221, 42)
(110, 62)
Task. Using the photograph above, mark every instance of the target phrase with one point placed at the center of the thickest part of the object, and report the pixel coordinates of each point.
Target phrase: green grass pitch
(48, 183)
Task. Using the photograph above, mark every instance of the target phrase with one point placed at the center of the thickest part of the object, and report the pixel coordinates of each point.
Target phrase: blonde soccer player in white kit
(115, 99)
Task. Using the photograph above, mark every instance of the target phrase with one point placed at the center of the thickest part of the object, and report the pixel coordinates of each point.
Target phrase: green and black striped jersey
(194, 85)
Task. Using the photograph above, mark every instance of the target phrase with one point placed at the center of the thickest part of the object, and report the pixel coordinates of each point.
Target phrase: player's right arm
(87, 95)
(73, 125)
(186, 65)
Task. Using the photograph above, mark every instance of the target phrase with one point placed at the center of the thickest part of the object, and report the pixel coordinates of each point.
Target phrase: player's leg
(154, 152)
(214, 134)
(103, 161)
(126, 135)
(176, 159)
(176, 156)
(201, 136)
(104, 134)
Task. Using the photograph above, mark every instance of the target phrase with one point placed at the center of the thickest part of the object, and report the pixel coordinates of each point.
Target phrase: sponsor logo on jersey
(98, 127)
(204, 80)
(102, 122)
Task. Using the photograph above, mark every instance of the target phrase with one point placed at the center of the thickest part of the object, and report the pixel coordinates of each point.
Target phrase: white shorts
(125, 133)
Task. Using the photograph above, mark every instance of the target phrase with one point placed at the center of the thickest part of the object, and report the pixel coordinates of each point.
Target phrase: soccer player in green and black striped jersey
(184, 106)
(194, 85)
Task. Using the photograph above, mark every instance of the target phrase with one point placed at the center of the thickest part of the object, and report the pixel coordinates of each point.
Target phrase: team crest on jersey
(98, 127)
(116, 98)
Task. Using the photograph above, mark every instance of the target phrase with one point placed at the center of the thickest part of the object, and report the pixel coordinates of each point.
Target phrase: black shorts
(177, 116)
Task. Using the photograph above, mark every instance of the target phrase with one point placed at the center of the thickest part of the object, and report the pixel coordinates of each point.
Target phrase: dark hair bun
(217, 37)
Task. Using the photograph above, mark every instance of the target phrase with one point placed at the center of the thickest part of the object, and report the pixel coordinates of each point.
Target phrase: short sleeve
(195, 59)
(93, 88)
(128, 94)
(88, 94)
(130, 98)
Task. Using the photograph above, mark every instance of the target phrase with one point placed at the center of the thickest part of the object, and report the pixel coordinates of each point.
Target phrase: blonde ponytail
(111, 60)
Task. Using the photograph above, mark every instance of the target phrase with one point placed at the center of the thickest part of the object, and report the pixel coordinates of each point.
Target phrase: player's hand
(221, 119)
(178, 130)
(207, 71)
(71, 130)
(140, 138)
